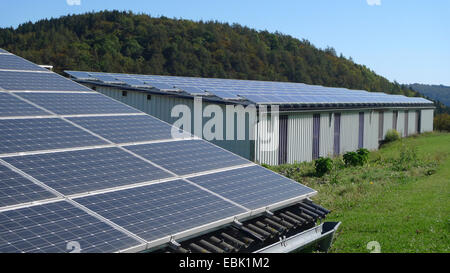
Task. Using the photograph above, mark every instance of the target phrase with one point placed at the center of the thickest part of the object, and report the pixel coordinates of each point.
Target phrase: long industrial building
(313, 121)
(81, 172)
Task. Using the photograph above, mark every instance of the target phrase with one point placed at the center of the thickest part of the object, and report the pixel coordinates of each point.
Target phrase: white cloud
(374, 2)
(78, 2)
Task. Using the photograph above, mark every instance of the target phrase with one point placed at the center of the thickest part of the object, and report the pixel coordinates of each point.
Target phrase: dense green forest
(114, 41)
(436, 92)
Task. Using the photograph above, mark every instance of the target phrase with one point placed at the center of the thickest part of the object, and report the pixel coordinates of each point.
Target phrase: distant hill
(113, 41)
(436, 92)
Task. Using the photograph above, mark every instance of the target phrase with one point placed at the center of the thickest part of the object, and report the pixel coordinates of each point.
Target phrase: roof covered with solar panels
(79, 167)
(257, 92)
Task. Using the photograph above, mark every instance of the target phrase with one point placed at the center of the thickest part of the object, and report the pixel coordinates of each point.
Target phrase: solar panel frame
(13, 62)
(16, 189)
(38, 81)
(35, 134)
(78, 103)
(187, 156)
(159, 210)
(253, 187)
(81, 171)
(128, 129)
(48, 228)
(11, 106)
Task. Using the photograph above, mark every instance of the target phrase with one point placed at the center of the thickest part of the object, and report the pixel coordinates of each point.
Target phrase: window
(149, 97)
(124, 93)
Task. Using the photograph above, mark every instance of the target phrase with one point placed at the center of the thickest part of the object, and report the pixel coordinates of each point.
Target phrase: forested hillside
(114, 41)
(436, 92)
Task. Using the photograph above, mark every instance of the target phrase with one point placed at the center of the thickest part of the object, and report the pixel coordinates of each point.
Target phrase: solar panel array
(258, 92)
(78, 169)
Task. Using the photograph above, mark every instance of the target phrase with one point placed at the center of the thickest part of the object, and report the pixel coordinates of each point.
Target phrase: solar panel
(134, 82)
(81, 75)
(161, 86)
(24, 135)
(187, 156)
(160, 210)
(87, 170)
(50, 227)
(191, 89)
(15, 189)
(78, 103)
(107, 79)
(264, 92)
(122, 129)
(252, 187)
(37, 81)
(14, 62)
(11, 106)
(3, 51)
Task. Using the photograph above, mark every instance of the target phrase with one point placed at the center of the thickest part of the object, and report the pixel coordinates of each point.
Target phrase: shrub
(323, 165)
(364, 153)
(442, 122)
(357, 158)
(391, 135)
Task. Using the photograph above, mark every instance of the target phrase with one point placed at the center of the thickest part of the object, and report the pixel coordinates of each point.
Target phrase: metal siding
(371, 130)
(411, 122)
(401, 123)
(349, 131)
(326, 135)
(361, 130)
(388, 115)
(269, 157)
(337, 134)
(282, 146)
(300, 137)
(427, 120)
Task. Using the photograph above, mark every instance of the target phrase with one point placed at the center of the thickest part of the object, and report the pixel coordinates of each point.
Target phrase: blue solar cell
(80, 75)
(87, 170)
(15, 189)
(50, 227)
(162, 209)
(11, 106)
(78, 103)
(134, 82)
(3, 51)
(187, 156)
(190, 89)
(107, 79)
(37, 81)
(24, 135)
(160, 85)
(14, 62)
(252, 187)
(122, 129)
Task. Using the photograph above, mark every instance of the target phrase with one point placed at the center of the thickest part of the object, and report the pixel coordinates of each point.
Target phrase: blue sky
(403, 40)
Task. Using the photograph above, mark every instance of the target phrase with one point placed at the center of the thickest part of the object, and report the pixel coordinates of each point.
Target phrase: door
(361, 130)
(418, 121)
(394, 120)
(316, 136)
(380, 125)
(406, 124)
(337, 133)
(282, 144)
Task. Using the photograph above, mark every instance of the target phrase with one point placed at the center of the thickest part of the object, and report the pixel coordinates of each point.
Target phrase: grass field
(400, 198)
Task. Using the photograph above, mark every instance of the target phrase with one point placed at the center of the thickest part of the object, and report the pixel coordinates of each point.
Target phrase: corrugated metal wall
(401, 122)
(267, 140)
(349, 131)
(427, 120)
(411, 122)
(371, 130)
(300, 137)
(388, 115)
(326, 134)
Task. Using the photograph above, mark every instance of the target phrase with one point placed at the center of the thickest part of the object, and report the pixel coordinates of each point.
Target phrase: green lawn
(403, 205)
